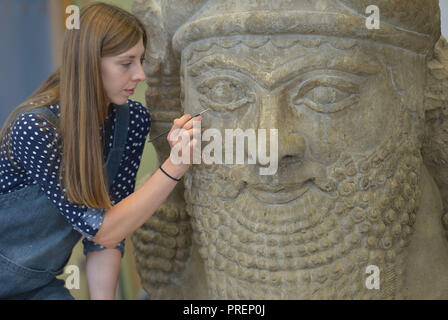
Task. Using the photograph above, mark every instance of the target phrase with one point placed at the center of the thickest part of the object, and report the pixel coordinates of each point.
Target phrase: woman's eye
(224, 94)
(128, 64)
(327, 94)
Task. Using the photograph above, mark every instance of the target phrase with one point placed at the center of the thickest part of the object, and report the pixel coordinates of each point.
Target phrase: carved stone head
(348, 104)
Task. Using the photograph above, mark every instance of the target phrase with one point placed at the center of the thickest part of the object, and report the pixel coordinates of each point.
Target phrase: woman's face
(122, 73)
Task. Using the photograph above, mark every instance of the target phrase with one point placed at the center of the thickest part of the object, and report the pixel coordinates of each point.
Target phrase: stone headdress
(413, 25)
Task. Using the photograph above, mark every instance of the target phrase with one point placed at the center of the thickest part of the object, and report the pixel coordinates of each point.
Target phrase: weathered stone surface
(355, 112)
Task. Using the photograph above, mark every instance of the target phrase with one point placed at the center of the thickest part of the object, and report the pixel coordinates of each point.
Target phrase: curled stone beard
(317, 246)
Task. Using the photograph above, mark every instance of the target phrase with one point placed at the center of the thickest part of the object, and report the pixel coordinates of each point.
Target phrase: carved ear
(436, 93)
(435, 143)
(435, 151)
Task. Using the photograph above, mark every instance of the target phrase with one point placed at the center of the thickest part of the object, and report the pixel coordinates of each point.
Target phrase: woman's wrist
(174, 170)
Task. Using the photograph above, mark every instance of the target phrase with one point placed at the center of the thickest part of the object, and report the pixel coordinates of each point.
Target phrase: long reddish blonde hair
(105, 30)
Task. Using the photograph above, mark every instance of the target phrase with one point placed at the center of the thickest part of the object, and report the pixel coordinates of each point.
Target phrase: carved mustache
(291, 176)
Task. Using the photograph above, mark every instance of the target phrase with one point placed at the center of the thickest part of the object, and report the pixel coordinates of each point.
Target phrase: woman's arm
(103, 267)
(132, 212)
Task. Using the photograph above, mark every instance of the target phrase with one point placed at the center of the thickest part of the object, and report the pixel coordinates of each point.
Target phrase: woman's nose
(139, 75)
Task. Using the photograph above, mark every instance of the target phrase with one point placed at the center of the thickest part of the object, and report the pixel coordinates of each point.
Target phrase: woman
(69, 159)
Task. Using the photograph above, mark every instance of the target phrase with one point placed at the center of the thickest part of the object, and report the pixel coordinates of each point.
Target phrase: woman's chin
(119, 102)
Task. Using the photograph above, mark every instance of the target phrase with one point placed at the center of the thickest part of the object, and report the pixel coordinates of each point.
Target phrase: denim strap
(120, 138)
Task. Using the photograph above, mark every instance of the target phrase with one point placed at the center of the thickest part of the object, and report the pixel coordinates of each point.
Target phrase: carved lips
(282, 187)
(278, 195)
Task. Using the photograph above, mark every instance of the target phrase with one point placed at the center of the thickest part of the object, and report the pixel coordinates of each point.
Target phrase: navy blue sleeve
(90, 246)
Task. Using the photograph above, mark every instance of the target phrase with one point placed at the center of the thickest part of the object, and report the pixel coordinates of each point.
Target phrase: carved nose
(291, 146)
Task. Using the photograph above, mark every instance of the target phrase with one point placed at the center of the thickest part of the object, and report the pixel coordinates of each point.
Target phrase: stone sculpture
(351, 190)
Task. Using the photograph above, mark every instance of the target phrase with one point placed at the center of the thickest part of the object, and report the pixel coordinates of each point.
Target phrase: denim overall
(36, 240)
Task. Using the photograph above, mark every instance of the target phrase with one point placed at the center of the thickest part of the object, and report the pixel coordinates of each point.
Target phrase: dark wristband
(168, 174)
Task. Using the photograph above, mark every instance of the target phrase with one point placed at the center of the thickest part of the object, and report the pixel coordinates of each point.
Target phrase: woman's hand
(183, 130)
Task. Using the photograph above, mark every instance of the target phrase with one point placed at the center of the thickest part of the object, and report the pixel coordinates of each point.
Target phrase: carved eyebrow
(288, 70)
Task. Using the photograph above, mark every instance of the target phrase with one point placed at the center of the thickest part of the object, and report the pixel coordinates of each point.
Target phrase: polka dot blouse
(38, 162)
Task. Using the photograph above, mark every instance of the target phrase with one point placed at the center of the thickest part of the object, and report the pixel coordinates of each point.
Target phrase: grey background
(25, 52)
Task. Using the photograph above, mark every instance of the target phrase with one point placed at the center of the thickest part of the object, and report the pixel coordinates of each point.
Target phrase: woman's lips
(129, 92)
(280, 196)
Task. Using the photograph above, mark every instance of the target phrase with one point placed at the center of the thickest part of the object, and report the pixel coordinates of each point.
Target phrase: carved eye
(327, 94)
(224, 93)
